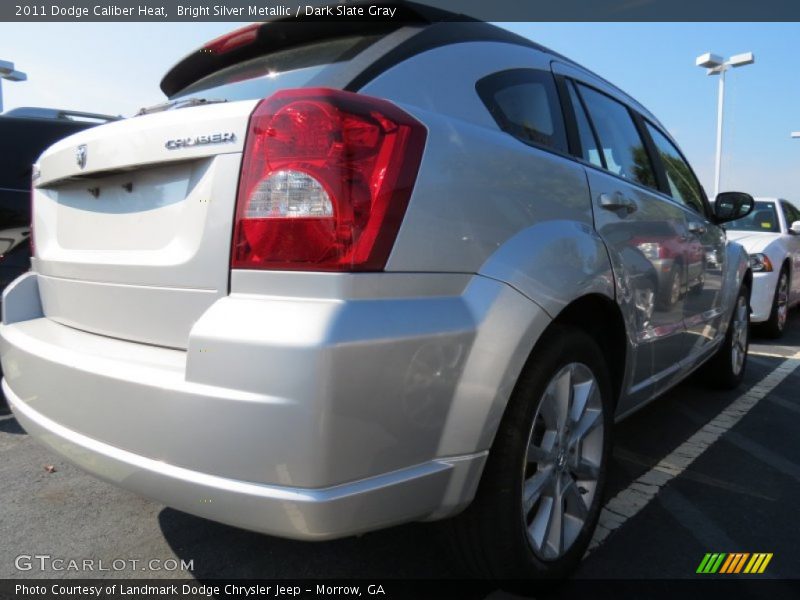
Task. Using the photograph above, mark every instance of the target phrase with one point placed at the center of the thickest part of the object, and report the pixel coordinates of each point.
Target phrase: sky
(115, 68)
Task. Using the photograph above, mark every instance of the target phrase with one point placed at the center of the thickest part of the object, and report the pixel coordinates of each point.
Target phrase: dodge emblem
(80, 155)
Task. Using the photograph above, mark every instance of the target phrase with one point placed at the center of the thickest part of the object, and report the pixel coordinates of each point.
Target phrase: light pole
(7, 72)
(716, 65)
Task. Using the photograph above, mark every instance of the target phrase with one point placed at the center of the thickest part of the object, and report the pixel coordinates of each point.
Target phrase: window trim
(632, 114)
(660, 169)
(786, 220)
(707, 211)
(488, 85)
(572, 84)
(577, 153)
(568, 114)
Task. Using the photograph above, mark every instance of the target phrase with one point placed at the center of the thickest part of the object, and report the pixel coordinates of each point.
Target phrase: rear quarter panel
(485, 202)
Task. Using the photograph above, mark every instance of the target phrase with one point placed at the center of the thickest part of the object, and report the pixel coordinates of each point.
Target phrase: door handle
(617, 201)
(697, 228)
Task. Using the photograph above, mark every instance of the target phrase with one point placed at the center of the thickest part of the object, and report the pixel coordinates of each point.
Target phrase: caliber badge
(200, 140)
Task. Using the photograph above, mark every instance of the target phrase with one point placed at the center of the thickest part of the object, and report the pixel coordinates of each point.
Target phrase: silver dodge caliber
(358, 274)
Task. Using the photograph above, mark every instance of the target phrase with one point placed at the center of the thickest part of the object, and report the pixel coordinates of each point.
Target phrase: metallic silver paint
(316, 405)
(291, 512)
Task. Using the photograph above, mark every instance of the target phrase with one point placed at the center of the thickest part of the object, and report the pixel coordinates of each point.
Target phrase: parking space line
(778, 352)
(642, 461)
(638, 494)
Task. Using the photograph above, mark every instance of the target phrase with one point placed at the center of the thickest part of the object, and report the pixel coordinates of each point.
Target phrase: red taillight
(326, 178)
(233, 40)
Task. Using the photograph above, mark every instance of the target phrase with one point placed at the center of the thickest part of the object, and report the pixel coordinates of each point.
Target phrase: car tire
(776, 324)
(725, 370)
(671, 294)
(496, 537)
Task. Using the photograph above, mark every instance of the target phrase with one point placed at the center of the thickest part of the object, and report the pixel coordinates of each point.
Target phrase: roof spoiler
(273, 35)
(30, 112)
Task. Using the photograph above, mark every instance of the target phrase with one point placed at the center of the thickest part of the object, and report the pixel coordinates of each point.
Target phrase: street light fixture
(7, 72)
(716, 65)
(796, 134)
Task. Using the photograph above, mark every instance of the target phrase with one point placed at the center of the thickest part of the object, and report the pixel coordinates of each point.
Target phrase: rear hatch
(133, 220)
(136, 243)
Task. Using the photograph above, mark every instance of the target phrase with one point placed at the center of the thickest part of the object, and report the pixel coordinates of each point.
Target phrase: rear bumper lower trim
(301, 513)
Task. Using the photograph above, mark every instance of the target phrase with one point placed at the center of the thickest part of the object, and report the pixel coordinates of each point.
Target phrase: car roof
(436, 27)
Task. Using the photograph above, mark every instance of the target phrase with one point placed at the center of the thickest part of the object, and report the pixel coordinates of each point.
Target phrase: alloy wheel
(782, 300)
(562, 465)
(740, 334)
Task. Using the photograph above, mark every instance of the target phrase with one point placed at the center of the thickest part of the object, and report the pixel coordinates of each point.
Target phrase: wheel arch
(787, 264)
(601, 318)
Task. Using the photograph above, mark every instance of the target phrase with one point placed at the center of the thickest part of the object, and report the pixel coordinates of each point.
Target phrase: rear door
(640, 229)
(704, 246)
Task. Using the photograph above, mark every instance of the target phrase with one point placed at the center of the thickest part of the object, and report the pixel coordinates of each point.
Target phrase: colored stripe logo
(734, 562)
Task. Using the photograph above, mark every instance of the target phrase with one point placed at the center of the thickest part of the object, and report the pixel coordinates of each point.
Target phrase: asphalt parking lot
(739, 494)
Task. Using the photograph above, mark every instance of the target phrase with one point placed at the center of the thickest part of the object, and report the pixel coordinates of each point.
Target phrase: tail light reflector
(326, 178)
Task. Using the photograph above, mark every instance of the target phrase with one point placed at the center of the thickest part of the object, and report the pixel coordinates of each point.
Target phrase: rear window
(524, 103)
(261, 76)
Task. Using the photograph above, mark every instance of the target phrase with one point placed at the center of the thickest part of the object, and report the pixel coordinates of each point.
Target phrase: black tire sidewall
(719, 370)
(504, 468)
(772, 326)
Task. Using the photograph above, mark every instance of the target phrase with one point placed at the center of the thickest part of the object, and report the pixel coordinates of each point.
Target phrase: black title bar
(485, 10)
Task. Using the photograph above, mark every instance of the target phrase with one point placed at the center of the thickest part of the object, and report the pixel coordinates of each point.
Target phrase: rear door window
(590, 151)
(623, 149)
(683, 185)
(525, 104)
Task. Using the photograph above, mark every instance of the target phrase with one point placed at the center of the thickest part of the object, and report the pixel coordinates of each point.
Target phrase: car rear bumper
(292, 512)
(309, 419)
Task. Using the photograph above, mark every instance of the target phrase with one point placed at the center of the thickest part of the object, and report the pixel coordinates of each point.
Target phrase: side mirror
(795, 228)
(730, 206)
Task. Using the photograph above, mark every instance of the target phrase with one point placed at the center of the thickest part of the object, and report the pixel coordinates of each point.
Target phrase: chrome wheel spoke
(542, 453)
(538, 529)
(533, 488)
(581, 393)
(562, 398)
(554, 535)
(590, 420)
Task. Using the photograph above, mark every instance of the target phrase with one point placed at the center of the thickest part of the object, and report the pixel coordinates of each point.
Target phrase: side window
(791, 213)
(524, 102)
(683, 185)
(589, 150)
(622, 147)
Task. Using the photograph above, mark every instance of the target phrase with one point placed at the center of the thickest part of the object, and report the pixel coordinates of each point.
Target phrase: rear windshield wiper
(175, 104)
